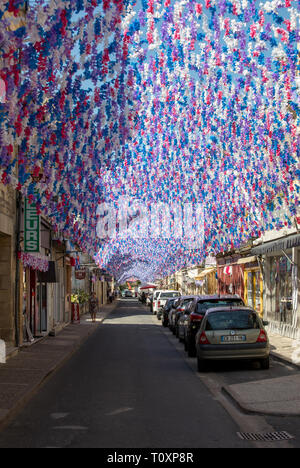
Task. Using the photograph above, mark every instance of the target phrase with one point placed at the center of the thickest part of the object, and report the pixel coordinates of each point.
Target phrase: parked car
(191, 321)
(232, 333)
(126, 293)
(149, 299)
(161, 298)
(178, 308)
(163, 303)
(172, 313)
(180, 314)
(165, 311)
(155, 296)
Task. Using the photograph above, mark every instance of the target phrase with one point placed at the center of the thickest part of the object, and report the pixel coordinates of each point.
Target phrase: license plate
(233, 338)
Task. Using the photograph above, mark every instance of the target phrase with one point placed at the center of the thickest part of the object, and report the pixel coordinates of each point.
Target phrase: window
(203, 306)
(233, 320)
(281, 289)
(168, 295)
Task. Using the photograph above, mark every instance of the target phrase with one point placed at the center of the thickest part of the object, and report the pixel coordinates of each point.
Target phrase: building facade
(7, 264)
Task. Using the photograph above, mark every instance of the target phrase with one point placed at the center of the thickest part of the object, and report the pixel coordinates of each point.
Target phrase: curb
(285, 359)
(233, 396)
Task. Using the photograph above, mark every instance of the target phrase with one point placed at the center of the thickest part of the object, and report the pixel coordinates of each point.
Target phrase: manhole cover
(268, 437)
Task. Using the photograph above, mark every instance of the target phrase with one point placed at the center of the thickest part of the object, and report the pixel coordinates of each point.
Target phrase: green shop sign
(31, 228)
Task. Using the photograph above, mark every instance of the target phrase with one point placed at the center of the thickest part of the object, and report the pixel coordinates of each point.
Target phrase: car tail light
(262, 337)
(196, 317)
(158, 303)
(203, 339)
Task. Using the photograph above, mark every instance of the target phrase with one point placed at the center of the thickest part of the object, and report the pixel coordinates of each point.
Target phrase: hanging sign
(31, 228)
(80, 274)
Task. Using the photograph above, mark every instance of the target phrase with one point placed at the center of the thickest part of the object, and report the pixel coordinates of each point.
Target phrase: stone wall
(7, 262)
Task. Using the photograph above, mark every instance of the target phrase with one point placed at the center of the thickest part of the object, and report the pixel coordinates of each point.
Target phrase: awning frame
(280, 244)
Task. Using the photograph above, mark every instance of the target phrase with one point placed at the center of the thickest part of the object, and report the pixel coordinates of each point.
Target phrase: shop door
(42, 307)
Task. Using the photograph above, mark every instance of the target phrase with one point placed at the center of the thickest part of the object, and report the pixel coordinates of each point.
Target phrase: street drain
(268, 437)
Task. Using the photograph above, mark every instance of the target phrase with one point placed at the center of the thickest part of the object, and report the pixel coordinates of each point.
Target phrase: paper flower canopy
(165, 101)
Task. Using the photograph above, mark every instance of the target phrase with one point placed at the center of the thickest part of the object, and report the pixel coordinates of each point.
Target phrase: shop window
(281, 289)
(250, 296)
(254, 290)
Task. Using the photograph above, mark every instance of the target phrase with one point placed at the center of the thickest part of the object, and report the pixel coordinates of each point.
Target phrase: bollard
(2, 352)
(75, 313)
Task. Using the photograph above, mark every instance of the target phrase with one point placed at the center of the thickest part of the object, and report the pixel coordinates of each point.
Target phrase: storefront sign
(31, 228)
(80, 274)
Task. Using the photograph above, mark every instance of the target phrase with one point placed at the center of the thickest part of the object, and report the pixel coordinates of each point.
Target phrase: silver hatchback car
(232, 333)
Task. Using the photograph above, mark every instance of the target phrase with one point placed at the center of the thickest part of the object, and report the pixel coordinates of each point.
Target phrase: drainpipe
(17, 277)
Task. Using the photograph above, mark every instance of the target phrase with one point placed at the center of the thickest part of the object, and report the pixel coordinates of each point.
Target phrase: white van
(161, 297)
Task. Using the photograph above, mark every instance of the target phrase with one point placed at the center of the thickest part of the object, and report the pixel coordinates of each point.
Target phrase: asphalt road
(128, 387)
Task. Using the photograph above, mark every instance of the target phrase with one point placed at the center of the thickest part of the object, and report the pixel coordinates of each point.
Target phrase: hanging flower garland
(172, 100)
(36, 262)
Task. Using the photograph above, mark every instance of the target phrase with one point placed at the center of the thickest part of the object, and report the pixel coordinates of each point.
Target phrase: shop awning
(204, 273)
(244, 260)
(284, 243)
(49, 276)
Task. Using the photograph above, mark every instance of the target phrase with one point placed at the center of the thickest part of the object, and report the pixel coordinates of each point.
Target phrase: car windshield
(232, 320)
(168, 295)
(185, 302)
(204, 305)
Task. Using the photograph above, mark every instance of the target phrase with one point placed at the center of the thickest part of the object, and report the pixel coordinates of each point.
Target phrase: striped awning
(204, 273)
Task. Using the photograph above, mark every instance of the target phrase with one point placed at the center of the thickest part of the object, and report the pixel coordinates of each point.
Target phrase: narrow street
(131, 386)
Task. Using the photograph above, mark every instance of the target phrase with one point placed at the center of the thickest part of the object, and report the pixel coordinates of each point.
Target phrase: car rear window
(166, 295)
(233, 320)
(204, 305)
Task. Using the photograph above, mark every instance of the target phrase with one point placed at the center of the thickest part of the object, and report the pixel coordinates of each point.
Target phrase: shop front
(206, 281)
(253, 283)
(280, 260)
(35, 297)
(231, 279)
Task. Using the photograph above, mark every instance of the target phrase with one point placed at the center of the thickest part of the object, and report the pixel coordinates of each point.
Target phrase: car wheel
(201, 365)
(265, 363)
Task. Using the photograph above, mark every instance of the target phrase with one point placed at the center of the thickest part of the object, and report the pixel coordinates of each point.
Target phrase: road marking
(59, 415)
(71, 428)
(119, 411)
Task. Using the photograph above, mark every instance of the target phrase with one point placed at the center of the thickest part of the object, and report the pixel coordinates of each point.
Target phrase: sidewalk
(25, 372)
(278, 396)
